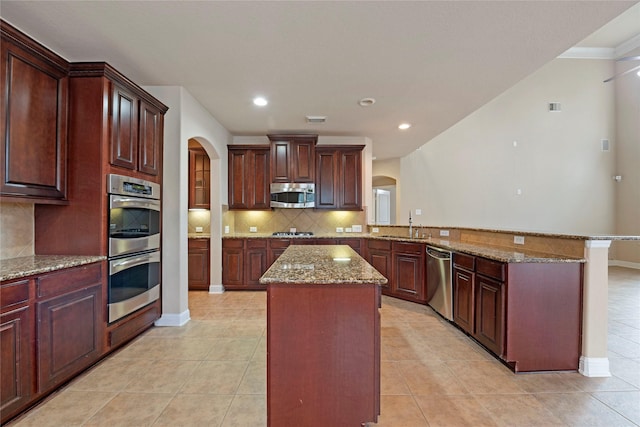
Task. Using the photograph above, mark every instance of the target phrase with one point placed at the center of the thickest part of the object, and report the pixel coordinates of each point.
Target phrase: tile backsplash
(16, 230)
(317, 221)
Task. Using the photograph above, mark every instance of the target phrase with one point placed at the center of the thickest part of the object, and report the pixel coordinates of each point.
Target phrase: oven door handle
(134, 202)
(123, 264)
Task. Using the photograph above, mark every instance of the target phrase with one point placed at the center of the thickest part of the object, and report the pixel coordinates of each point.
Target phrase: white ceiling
(430, 63)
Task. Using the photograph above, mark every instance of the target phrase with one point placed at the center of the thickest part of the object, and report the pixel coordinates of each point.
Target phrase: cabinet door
(124, 128)
(198, 264)
(255, 266)
(381, 261)
(261, 194)
(326, 190)
(489, 313)
(303, 160)
(280, 161)
(276, 248)
(409, 276)
(199, 176)
(150, 139)
(249, 178)
(33, 156)
(350, 181)
(16, 366)
(463, 287)
(68, 335)
(355, 244)
(232, 262)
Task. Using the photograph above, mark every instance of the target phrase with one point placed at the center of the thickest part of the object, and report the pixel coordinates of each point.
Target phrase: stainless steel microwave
(293, 195)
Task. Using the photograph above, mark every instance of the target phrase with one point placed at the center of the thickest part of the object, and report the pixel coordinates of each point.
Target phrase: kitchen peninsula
(323, 337)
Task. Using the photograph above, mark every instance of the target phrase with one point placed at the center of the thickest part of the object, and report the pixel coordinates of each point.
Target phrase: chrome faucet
(410, 226)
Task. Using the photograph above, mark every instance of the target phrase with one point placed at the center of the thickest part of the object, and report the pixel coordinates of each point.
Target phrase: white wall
(187, 119)
(469, 175)
(627, 150)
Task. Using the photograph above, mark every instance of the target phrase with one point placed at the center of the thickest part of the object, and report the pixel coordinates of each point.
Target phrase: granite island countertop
(322, 265)
(16, 268)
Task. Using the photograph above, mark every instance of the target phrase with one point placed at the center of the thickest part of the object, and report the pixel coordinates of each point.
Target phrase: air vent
(316, 119)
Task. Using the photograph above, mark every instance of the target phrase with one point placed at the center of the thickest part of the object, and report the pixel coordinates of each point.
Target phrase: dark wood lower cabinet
(198, 264)
(378, 254)
(255, 263)
(16, 367)
(463, 287)
(69, 336)
(232, 263)
(489, 316)
(527, 314)
(409, 266)
(51, 328)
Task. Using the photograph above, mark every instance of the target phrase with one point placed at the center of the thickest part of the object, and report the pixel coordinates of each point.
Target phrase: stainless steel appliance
(134, 281)
(293, 195)
(134, 215)
(134, 244)
(439, 286)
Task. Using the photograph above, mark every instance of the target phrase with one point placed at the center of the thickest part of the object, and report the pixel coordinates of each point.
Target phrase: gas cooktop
(292, 233)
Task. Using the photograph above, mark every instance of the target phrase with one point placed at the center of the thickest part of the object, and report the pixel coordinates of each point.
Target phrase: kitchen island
(323, 338)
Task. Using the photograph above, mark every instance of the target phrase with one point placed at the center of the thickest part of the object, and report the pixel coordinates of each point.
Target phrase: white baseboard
(628, 264)
(169, 319)
(216, 289)
(594, 366)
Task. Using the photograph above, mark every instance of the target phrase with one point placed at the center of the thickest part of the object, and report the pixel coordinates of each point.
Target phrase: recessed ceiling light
(260, 101)
(404, 126)
(366, 102)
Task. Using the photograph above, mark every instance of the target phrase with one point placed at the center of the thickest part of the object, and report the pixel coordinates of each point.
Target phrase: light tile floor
(211, 372)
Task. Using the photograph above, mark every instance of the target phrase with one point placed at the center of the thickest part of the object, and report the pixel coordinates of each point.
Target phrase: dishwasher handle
(438, 254)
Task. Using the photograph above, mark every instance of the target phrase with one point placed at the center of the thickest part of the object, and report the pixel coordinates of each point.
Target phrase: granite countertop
(198, 236)
(497, 253)
(321, 265)
(16, 268)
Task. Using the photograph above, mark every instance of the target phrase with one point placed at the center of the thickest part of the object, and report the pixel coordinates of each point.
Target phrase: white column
(594, 361)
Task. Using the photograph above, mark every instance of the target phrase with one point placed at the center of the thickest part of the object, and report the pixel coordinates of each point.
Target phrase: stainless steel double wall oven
(134, 244)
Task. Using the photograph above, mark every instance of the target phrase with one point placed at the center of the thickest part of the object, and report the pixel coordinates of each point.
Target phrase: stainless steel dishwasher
(439, 287)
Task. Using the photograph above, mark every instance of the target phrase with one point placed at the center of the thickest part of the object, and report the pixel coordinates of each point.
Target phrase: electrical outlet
(198, 229)
(339, 230)
(418, 212)
(444, 233)
(518, 240)
(356, 228)
(348, 230)
(253, 229)
(375, 230)
(292, 230)
(226, 229)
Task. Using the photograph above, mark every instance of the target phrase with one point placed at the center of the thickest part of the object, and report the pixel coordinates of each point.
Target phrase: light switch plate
(198, 229)
(375, 230)
(444, 233)
(339, 230)
(253, 229)
(418, 212)
(356, 228)
(348, 230)
(226, 229)
(518, 240)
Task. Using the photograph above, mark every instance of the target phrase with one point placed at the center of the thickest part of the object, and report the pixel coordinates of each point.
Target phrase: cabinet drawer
(278, 243)
(384, 245)
(14, 293)
(464, 261)
(409, 248)
(198, 244)
(490, 268)
(68, 280)
(233, 243)
(256, 243)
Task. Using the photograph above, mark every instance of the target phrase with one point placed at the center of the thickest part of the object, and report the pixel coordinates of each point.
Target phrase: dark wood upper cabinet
(150, 139)
(249, 177)
(124, 126)
(199, 176)
(34, 86)
(339, 177)
(293, 158)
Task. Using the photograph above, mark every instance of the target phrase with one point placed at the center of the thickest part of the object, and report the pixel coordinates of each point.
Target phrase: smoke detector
(316, 119)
